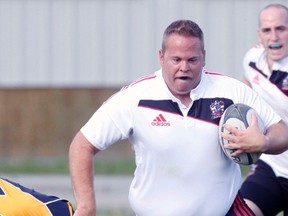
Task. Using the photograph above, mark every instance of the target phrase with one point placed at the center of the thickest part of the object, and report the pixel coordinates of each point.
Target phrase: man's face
(273, 33)
(182, 63)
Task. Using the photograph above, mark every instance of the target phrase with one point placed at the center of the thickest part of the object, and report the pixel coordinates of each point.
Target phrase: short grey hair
(184, 28)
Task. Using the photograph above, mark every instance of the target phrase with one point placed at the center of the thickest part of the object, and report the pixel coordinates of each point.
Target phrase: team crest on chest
(217, 109)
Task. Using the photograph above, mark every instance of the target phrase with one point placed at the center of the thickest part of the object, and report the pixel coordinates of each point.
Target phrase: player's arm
(81, 157)
(275, 140)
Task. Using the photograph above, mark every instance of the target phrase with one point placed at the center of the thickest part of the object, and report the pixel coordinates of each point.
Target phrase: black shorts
(268, 192)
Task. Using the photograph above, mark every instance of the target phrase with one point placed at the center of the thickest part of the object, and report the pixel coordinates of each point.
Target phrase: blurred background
(61, 59)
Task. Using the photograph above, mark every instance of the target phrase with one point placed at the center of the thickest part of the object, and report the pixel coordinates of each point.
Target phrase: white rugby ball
(239, 116)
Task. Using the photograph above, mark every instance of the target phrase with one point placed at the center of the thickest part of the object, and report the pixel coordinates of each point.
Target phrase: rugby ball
(239, 116)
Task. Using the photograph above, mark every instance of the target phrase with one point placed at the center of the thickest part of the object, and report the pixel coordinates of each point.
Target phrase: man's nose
(184, 66)
(274, 35)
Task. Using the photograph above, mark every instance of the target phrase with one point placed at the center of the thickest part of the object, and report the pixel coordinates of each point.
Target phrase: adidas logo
(160, 121)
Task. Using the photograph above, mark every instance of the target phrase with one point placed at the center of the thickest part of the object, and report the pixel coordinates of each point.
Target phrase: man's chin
(277, 56)
(184, 92)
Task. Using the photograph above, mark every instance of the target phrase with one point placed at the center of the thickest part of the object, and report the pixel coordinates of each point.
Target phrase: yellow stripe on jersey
(17, 200)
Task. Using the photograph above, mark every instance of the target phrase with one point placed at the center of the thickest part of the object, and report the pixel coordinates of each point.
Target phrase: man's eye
(176, 60)
(193, 60)
(265, 30)
(281, 29)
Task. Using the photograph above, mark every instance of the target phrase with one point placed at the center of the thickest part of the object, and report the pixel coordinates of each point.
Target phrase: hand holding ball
(239, 116)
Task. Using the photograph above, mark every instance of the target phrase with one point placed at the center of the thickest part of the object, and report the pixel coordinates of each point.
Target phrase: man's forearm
(276, 139)
(81, 156)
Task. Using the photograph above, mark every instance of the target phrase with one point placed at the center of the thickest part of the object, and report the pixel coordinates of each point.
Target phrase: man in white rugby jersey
(171, 119)
(266, 71)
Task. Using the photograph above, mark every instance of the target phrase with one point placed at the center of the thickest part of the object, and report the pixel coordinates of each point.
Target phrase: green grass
(245, 169)
(56, 166)
(33, 166)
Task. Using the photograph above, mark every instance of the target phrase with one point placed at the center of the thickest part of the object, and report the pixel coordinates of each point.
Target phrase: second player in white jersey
(260, 78)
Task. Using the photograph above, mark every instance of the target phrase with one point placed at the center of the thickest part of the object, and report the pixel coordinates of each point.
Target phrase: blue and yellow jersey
(17, 200)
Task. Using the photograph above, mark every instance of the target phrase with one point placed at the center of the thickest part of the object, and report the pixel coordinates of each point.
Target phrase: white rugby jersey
(273, 88)
(180, 167)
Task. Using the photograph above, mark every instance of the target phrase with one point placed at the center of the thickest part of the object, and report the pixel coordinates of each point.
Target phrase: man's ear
(204, 57)
(161, 56)
(259, 37)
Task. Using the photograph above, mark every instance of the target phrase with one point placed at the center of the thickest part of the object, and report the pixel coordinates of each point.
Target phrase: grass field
(55, 166)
